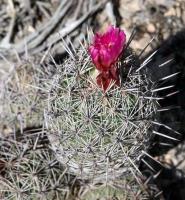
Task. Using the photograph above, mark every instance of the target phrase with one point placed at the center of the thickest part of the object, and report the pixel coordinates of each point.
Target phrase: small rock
(151, 28)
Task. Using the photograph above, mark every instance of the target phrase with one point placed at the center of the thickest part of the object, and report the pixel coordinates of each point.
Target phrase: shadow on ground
(169, 59)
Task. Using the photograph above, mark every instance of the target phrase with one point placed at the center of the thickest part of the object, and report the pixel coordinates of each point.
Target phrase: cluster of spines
(72, 63)
(20, 98)
(91, 126)
(29, 170)
(75, 97)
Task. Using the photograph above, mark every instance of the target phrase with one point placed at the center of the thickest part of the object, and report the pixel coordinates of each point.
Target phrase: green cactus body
(98, 136)
(21, 99)
(29, 171)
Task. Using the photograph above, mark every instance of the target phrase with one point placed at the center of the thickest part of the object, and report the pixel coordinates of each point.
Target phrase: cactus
(130, 190)
(29, 170)
(21, 96)
(100, 136)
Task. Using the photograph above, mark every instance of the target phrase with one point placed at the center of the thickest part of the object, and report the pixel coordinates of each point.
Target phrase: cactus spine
(99, 136)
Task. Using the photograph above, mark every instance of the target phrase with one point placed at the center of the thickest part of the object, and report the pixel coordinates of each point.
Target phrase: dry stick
(110, 13)
(32, 37)
(26, 4)
(56, 37)
(2, 12)
(43, 7)
(48, 27)
(6, 40)
(35, 39)
(77, 10)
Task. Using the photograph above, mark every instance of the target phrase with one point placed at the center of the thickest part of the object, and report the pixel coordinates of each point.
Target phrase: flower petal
(105, 51)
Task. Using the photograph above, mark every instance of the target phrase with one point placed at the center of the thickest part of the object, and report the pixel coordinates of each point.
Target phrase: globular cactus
(129, 190)
(21, 100)
(100, 133)
(29, 170)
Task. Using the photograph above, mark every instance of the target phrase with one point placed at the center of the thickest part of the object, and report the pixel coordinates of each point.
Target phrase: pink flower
(104, 52)
(107, 47)
(105, 78)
